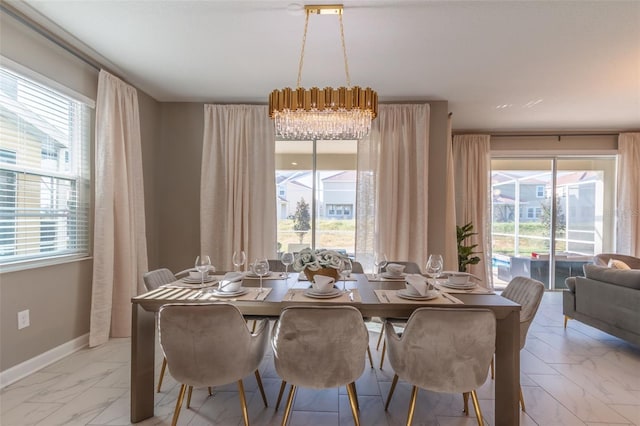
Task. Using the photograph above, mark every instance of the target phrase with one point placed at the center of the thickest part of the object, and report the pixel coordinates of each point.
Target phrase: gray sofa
(606, 298)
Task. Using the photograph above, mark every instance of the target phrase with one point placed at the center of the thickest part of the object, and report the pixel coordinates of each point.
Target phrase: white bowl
(395, 269)
(323, 284)
(458, 278)
(197, 275)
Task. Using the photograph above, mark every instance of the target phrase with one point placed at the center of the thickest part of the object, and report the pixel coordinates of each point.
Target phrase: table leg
(507, 410)
(142, 363)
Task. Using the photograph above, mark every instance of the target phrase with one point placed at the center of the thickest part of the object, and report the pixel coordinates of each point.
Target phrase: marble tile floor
(577, 376)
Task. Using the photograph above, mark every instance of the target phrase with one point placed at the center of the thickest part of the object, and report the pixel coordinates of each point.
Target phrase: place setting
(230, 288)
(460, 282)
(322, 287)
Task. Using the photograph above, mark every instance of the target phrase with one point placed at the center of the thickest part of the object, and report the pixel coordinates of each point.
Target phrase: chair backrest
(356, 267)
(526, 292)
(602, 259)
(320, 347)
(410, 267)
(444, 349)
(209, 344)
(156, 278)
(276, 266)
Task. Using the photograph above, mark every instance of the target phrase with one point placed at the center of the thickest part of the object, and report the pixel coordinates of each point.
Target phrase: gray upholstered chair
(442, 350)
(210, 345)
(153, 280)
(320, 347)
(356, 267)
(410, 267)
(528, 293)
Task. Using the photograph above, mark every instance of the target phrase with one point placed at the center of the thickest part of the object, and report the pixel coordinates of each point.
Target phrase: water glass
(345, 271)
(261, 269)
(287, 260)
(239, 257)
(202, 264)
(434, 267)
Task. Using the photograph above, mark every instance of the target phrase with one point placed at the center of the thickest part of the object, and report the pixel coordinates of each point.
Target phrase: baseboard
(36, 363)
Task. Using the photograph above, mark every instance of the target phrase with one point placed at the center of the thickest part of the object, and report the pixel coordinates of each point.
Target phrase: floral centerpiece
(319, 262)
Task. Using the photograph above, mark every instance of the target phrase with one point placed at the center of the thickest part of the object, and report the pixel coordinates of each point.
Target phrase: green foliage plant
(465, 253)
(302, 219)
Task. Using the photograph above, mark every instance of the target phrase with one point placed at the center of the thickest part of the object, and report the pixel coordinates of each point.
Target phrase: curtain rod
(539, 134)
(16, 14)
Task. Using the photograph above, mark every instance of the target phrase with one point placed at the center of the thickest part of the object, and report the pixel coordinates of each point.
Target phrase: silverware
(291, 295)
(446, 296)
(257, 295)
(386, 297)
(351, 296)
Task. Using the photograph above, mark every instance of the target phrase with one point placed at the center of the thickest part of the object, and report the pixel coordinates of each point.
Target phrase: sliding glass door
(550, 216)
(316, 184)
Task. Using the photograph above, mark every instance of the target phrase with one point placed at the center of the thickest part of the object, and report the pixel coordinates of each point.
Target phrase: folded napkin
(232, 276)
(418, 282)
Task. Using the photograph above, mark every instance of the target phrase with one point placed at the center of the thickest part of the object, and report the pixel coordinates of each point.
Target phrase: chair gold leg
(355, 393)
(353, 401)
(380, 338)
(465, 399)
(210, 391)
(287, 410)
(492, 368)
(370, 357)
(243, 403)
(384, 349)
(393, 387)
(162, 369)
(282, 386)
(189, 396)
(253, 327)
(412, 405)
(259, 380)
(176, 412)
(476, 406)
(521, 399)
(566, 318)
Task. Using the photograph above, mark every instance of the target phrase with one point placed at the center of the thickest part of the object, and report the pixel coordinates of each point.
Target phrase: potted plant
(465, 253)
(319, 262)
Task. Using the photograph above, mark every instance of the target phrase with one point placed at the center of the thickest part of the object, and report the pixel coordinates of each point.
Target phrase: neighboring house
(339, 195)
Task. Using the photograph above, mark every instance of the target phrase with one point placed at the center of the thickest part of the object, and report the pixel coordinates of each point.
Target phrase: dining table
(372, 296)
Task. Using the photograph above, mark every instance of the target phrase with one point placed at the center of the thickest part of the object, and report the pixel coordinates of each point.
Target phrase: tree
(301, 219)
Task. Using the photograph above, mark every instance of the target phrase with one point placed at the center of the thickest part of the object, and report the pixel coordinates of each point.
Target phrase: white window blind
(44, 171)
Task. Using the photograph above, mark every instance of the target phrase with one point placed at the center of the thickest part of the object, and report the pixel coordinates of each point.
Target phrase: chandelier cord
(344, 53)
(304, 41)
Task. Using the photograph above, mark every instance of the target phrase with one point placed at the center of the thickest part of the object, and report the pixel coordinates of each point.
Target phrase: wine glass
(261, 268)
(203, 264)
(287, 260)
(345, 271)
(434, 267)
(238, 259)
(379, 261)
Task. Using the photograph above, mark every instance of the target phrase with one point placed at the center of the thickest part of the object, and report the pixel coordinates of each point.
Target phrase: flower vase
(328, 272)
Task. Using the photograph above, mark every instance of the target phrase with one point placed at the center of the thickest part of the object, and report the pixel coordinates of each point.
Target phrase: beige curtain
(392, 186)
(450, 255)
(237, 187)
(628, 210)
(472, 165)
(119, 242)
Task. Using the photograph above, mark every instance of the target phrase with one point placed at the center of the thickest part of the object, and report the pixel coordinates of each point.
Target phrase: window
(319, 178)
(540, 191)
(44, 171)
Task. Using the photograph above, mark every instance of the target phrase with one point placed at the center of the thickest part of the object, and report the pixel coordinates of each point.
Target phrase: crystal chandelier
(307, 114)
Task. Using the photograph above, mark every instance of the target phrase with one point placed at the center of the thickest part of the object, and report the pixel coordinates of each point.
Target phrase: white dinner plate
(317, 295)
(467, 286)
(392, 276)
(404, 295)
(189, 280)
(239, 292)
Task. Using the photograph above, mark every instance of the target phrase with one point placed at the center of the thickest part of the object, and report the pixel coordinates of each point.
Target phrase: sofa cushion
(571, 284)
(617, 264)
(627, 278)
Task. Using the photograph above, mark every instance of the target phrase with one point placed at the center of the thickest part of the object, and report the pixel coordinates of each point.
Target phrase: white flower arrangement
(317, 259)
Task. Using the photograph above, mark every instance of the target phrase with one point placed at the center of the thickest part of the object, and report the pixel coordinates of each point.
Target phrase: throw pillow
(617, 264)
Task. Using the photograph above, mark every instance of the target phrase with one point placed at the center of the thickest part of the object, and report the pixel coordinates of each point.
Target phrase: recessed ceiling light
(294, 164)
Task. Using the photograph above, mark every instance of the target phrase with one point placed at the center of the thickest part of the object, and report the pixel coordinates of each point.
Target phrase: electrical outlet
(23, 319)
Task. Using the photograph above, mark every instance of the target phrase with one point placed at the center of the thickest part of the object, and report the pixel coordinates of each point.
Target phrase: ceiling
(503, 65)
